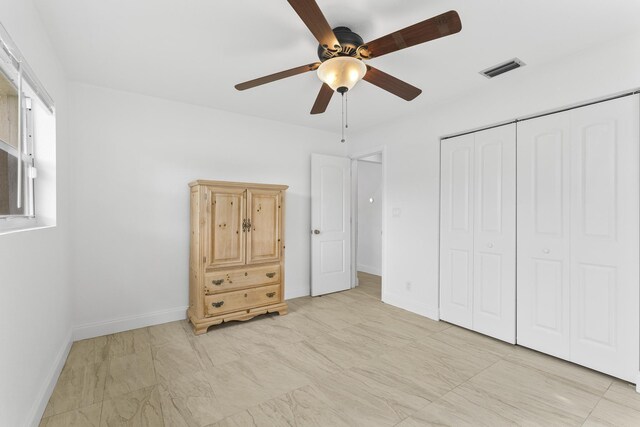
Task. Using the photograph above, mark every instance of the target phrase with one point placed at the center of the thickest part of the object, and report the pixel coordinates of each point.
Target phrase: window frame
(17, 71)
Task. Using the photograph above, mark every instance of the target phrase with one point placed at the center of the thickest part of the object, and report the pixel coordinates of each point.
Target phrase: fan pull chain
(346, 111)
(342, 127)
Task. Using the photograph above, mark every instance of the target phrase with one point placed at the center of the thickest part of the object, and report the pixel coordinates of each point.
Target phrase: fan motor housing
(349, 41)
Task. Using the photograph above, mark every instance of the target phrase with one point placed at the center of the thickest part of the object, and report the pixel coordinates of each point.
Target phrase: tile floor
(344, 359)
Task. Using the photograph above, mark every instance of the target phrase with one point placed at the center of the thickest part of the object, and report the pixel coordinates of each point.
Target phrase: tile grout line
(596, 404)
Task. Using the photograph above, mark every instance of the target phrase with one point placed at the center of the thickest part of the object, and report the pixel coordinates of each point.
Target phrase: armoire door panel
(263, 235)
(456, 230)
(543, 266)
(226, 243)
(494, 286)
(605, 237)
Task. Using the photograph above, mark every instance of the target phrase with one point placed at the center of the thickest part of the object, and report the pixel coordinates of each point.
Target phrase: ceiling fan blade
(277, 76)
(439, 26)
(312, 16)
(322, 101)
(391, 84)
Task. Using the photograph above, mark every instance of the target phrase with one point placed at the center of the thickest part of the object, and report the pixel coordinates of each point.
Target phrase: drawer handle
(217, 304)
(271, 275)
(271, 294)
(217, 282)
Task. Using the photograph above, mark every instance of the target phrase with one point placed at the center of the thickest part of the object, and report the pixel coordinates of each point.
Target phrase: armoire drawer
(241, 300)
(224, 281)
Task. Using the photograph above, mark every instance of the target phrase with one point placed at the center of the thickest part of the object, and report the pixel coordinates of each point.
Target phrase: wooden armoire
(237, 252)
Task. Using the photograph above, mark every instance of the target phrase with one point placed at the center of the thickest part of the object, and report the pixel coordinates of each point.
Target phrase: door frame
(355, 157)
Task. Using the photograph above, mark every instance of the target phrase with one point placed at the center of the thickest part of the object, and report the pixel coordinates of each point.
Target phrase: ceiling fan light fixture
(342, 73)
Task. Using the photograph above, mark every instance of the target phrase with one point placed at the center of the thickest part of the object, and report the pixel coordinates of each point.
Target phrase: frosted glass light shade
(342, 71)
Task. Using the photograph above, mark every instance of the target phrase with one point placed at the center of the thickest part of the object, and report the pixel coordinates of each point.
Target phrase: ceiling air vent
(502, 68)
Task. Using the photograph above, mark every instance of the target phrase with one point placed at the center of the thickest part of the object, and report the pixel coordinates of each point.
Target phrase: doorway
(335, 239)
(368, 207)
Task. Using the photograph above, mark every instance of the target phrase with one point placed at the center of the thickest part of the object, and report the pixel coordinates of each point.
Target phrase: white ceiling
(196, 50)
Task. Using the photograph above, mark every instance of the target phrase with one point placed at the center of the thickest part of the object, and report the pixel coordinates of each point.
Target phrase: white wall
(413, 152)
(35, 291)
(369, 252)
(133, 158)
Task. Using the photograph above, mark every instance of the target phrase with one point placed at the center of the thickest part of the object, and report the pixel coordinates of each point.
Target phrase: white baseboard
(296, 294)
(369, 269)
(412, 306)
(42, 398)
(98, 329)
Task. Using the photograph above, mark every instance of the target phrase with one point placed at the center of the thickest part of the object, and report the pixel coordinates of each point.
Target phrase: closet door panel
(543, 263)
(494, 307)
(604, 242)
(456, 238)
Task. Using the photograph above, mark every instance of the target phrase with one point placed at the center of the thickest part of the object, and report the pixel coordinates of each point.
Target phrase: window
(16, 151)
(26, 118)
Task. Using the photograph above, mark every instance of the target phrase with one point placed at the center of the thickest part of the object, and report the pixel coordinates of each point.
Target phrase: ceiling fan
(342, 53)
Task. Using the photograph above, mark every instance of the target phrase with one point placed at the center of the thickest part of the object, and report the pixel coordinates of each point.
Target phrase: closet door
(604, 237)
(456, 230)
(494, 284)
(543, 262)
(263, 236)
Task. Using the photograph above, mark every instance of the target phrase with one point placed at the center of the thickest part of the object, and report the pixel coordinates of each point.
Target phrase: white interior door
(543, 266)
(456, 230)
(330, 223)
(604, 237)
(494, 284)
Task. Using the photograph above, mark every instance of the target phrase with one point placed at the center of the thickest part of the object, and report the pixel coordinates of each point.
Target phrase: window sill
(19, 225)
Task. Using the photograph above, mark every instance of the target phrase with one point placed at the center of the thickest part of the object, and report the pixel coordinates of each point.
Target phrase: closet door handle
(217, 304)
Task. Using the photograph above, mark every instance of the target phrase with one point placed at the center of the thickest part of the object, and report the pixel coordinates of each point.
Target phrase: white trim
(42, 398)
(410, 305)
(377, 271)
(299, 294)
(25, 224)
(127, 323)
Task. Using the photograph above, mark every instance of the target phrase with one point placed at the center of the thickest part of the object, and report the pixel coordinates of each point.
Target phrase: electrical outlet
(408, 286)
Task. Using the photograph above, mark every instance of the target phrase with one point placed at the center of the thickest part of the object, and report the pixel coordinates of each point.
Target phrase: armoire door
(604, 237)
(543, 215)
(456, 230)
(263, 236)
(494, 255)
(226, 242)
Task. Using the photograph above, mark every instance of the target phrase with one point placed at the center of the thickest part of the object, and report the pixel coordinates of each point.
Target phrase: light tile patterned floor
(344, 359)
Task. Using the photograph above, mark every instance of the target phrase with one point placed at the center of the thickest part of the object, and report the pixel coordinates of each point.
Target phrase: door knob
(316, 231)
(546, 251)
(489, 245)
